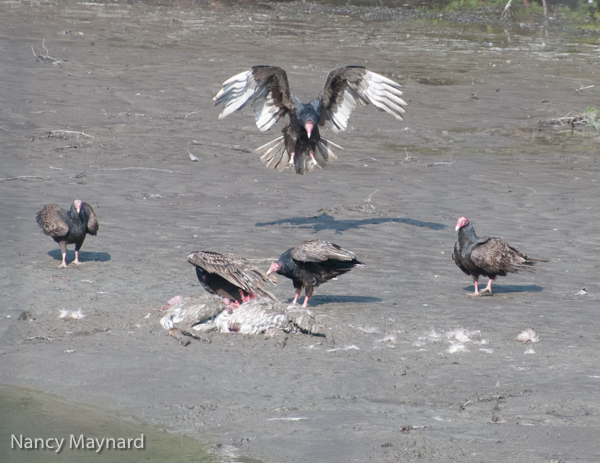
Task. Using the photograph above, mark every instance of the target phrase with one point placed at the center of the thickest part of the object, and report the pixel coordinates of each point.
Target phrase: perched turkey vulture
(490, 257)
(230, 277)
(312, 263)
(301, 146)
(68, 227)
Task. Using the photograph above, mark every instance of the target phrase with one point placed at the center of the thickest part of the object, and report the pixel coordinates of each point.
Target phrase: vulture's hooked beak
(274, 267)
(308, 126)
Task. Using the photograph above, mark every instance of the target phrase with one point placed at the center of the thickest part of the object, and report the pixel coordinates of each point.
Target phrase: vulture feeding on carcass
(301, 146)
(490, 257)
(312, 263)
(232, 278)
(68, 227)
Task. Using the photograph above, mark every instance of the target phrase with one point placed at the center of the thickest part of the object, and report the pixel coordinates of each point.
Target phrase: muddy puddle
(37, 427)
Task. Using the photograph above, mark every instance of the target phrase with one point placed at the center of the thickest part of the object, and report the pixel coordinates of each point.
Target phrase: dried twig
(505, 10)
(408, 158)
(146, 168)
(193, 112)
(581, 89)
(47, 56)
(21, 177)
(70, 132)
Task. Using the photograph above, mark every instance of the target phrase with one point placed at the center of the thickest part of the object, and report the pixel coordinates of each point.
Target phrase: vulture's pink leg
(488, 287)
(476, 293)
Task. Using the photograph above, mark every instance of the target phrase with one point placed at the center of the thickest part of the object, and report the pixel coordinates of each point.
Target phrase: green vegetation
(590, 118)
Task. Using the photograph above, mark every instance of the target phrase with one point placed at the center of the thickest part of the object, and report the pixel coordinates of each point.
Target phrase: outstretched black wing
(266, 87)
(347, 87)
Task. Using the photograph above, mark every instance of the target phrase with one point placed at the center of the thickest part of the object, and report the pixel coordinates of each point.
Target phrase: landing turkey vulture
(230, 277)
(68, 227)
(490, 257)
(301, 146)
(312, 263)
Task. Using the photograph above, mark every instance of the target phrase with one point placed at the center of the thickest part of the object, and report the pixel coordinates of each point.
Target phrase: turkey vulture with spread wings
(68, 227)
(490, 257)
(312, 263)
(301, 146)
(231, 277)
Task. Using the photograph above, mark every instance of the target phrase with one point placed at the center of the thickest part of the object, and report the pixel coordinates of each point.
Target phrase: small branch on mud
(367, 202)
(21, 177)
(53, 132)
(146, 168)
(368, 159)
(47, 57)
(408, 158)
(193, 112)
(443, 163)
(505, 11)
(581, 89)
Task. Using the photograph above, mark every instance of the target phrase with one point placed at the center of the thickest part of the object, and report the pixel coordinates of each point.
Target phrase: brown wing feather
(236, 270)
(266, 87)
(92, 220)
(320, 251)
(496, 257)
(51, 219)
(348, 87)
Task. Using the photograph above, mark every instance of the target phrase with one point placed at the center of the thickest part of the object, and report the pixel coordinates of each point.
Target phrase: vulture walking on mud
(312, 263)
(490, 257)
(68, 227)
(232, 278)
(301, 146)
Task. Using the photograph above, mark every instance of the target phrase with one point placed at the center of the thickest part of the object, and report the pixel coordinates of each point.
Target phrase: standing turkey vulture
(68, 227)
(312, 263)
(230, 277)
(301, 145)
(490, 257)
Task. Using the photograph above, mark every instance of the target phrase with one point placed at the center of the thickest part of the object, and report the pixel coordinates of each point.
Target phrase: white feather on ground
(71, 314)
(528, 335)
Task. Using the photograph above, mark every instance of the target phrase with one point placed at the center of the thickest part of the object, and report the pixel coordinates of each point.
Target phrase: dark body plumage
(488, 257)
(230, 276)
(301, 145)
(68, 227)
(312, 263)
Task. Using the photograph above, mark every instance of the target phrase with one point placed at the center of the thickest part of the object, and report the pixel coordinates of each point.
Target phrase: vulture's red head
(309, 126)
(77, 204)
(275, 266)
(462, 222)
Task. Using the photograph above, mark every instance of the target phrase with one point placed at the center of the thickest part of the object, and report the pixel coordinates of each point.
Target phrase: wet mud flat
(109, 111)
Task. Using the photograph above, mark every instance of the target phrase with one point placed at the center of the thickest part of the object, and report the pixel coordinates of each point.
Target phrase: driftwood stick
(21, 177)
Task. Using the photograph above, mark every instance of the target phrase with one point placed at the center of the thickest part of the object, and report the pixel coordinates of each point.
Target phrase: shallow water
(26, 413)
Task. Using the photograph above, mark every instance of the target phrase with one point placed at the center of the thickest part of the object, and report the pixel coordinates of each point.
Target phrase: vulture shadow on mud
(507, 289)
(341, 299)
(84, 256)
(328, 222)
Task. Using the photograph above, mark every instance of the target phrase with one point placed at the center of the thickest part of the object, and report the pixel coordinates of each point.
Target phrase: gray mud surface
(109, 114)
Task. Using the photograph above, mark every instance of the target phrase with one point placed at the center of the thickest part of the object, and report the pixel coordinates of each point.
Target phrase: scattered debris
(192, 157)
